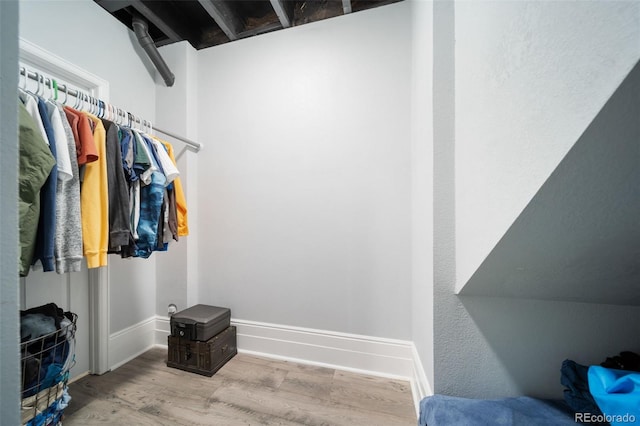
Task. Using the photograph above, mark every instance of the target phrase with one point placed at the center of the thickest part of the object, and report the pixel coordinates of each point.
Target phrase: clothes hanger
(50, 87)
(42, 85)
(26, 77)
(76, 104)
(37, 84)
(53, 90)
(66, 94)
(23, 89)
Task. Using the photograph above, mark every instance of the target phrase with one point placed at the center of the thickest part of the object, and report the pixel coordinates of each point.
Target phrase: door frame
(54, 66)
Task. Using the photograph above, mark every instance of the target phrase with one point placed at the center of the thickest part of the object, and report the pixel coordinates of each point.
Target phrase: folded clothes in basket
(36, 325)
(47, 335)
(35, 405)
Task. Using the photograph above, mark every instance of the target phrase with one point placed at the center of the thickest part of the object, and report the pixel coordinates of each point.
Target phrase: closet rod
(77, 93)
(196, 145)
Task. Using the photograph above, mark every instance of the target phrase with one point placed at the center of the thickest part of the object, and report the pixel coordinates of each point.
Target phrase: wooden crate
(203, 357)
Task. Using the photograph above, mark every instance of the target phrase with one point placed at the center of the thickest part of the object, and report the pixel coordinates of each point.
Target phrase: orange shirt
(86, 150)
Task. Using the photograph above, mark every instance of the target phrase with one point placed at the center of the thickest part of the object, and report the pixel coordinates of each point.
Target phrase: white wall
(305, 181)
(176, 112)
(530, 77)
(422, 183)
(508, 138)
(9, 294)
(87, 36)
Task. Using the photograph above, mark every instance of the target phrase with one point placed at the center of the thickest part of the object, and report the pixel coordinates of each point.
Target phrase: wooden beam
(283, 13)
(265, 29)
(228, 22)
(346, 6)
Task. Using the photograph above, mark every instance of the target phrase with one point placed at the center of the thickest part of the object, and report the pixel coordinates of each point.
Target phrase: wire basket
(45, 364)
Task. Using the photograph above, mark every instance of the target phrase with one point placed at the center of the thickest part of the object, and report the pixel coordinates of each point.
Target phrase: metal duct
(141, 29)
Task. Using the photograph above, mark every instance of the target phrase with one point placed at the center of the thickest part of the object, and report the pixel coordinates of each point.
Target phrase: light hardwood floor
(248, 390)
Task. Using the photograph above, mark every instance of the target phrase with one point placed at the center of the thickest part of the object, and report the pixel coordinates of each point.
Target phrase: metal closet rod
(80, 95)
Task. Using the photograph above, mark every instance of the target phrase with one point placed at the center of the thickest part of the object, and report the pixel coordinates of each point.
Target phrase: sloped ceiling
(579, 237)
(206, 23)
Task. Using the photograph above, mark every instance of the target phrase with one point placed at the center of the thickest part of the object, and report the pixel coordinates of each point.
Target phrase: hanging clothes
(47, 223)
(36, 163)
(151, 198)
(180, 200)
(94, 201)
(86, 151)
(117, 191)
(63, 160)
(68, 237)
(30, 103)
(101, 187)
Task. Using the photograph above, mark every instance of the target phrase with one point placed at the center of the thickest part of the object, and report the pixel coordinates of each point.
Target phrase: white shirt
(169, 169)
(65, 172)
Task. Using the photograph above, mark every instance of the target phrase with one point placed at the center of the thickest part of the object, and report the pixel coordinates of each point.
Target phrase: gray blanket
(440, 410)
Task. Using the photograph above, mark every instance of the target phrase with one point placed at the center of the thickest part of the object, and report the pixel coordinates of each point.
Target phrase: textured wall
(493, 347)
(578, 239)
(530, 77)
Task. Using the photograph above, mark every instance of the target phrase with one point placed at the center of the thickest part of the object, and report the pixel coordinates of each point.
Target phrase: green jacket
(36, 162)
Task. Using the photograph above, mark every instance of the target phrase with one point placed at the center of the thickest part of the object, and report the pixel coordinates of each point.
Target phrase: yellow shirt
(94, 202)
(181, 201)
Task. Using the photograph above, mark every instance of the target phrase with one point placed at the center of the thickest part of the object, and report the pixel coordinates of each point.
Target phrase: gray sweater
(68, 239)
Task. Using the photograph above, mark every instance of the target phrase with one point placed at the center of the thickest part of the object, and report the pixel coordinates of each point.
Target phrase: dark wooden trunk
(203, 357)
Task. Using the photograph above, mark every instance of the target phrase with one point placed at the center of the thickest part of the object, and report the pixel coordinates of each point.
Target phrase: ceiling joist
(224, 17)
(346, 6)
(207, 23)
(284, 12)
(114, 5)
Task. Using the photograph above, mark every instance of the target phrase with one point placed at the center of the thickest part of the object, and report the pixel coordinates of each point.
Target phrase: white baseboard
(131, 342)
(397, 359)
(420, 386)
(364, 354)
(162, 331)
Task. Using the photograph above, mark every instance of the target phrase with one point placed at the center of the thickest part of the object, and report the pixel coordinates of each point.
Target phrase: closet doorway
(85, 293)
